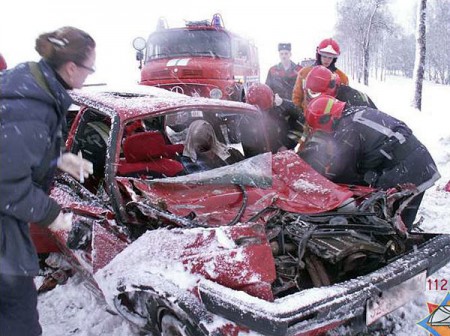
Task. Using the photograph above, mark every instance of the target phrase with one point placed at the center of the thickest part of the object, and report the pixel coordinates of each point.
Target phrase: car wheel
(171, 326)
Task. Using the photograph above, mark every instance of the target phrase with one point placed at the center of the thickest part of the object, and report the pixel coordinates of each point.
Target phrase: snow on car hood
(175, 260)
(214, 197)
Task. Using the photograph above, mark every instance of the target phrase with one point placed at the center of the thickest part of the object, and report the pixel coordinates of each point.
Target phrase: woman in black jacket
(33, 106)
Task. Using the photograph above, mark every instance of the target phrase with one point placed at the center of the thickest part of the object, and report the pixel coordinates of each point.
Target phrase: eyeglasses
(91, 70)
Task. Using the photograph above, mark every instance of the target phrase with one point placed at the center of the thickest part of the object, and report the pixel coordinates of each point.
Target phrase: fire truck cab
(201, 59)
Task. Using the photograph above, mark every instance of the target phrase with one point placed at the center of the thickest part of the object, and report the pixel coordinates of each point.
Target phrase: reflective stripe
(427, 184)
(329, 106)
(377, 127)
(389, 157)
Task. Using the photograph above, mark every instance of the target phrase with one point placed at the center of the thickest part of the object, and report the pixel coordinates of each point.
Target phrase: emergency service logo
(437, 323)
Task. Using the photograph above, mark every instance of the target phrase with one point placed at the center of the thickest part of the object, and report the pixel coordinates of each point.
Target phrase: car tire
(172, 326)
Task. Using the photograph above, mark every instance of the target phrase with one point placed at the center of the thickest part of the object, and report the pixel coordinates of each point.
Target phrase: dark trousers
(18, 306)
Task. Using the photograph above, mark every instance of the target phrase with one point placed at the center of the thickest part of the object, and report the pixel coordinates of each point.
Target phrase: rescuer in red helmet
(3, 65)
(327, 53)
(364, 146)
(284, 122)
(321, 80)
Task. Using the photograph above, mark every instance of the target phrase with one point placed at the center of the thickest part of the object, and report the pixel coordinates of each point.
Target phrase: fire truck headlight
(215, 93)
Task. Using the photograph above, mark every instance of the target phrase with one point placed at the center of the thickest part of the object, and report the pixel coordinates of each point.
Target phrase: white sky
(114, 26)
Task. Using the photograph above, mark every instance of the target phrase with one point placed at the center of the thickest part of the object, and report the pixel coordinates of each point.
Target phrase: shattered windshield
(189, 43)
(192, 142)
(254, 172)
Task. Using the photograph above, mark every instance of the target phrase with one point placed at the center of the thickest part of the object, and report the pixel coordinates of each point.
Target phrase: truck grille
(160, 74)
(192, 73)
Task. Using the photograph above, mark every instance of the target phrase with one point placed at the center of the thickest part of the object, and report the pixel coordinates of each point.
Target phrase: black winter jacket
(369, 147)
(30, 139)
(281, 121)
(353, 97)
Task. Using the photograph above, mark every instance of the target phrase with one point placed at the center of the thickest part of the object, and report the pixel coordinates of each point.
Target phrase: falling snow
(73, 309)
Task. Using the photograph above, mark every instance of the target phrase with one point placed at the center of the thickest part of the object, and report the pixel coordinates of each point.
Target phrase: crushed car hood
(214, 197)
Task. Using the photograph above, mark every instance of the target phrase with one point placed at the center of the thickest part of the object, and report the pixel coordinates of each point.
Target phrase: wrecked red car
(265, 245)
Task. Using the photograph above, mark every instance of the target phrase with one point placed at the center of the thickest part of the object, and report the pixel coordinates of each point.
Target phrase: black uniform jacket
(369, 147)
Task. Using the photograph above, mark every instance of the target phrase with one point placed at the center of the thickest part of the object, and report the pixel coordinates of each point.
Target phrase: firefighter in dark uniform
(364, 146)
(283, 120)
(281, 77)
(320, 80)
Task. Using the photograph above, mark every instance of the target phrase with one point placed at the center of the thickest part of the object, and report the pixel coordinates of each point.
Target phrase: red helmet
(320, 80)
(329, 48)
(260, 95)
(3, 65)
(323, 112)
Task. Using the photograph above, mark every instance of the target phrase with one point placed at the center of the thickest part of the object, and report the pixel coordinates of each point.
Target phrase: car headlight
(215, 93)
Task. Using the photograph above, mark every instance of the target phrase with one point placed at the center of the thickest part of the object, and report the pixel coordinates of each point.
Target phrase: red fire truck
(201, 59)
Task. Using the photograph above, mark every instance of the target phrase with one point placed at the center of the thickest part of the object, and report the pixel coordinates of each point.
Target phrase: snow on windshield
(255, 171)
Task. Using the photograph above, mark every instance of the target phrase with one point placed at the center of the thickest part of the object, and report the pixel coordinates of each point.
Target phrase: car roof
(132, 101)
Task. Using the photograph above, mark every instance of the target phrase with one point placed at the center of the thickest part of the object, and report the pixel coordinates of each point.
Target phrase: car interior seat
(148, 154)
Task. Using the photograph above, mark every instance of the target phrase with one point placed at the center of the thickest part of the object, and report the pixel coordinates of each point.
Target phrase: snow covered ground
(72, 309)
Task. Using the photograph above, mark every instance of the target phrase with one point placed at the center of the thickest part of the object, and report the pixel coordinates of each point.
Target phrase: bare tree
(399, 54)
(419, 64)
(373, 44)
(438, 39)
(366, 41)
(361, 27)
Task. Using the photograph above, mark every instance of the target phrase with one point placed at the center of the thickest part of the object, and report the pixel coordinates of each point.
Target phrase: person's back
(364, 146)
(354, 97)
(203, 151)
(363, 142)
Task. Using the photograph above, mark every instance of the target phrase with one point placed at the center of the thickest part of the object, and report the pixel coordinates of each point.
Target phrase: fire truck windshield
(186, 42)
